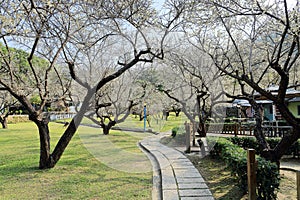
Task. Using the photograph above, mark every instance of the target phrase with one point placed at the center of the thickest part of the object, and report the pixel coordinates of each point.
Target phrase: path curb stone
(179, 179)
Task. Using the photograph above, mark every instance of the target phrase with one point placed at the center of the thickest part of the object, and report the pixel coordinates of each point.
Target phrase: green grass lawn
(80, 174)
(156, 122)
(93, 166)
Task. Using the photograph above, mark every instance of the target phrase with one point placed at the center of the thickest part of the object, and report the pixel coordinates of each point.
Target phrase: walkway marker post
(187, 137)
(145, 116)
(251, 173)
(298, 184)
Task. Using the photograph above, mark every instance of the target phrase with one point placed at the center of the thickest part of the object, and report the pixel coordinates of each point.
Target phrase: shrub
(245, 142)
(13, 119)
(267, 178)
(236, 159)
(251, 142)
(174, 131)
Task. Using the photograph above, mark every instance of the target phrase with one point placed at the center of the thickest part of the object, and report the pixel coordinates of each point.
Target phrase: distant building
(294, 106)
(244, 109)
(270, 112)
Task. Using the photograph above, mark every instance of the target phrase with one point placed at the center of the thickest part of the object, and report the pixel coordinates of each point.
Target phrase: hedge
(251, 142)
(13, 119)
(235, 158)
(174, 131)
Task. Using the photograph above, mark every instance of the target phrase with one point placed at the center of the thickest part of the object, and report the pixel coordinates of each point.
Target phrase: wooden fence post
(236, 129)
(298, 183)
(187, 137)
(193, 129)
(251, 173)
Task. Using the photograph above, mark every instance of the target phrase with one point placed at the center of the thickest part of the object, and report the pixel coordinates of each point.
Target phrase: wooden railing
(276, 131)
(60, 115)
(230, 128)
(247, 129)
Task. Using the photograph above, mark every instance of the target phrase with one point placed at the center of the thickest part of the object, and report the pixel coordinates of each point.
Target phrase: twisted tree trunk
(107, 128)
(45, 157)
(3, 121)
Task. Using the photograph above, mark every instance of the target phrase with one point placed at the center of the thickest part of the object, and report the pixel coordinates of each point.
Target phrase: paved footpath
(179, 179)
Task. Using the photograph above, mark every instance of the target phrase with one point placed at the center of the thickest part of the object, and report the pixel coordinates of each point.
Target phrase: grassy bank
(157, 124)
(78, 175)
(225, 186)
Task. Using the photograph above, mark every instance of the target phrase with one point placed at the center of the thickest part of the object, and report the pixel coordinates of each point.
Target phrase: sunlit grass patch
(78, 175)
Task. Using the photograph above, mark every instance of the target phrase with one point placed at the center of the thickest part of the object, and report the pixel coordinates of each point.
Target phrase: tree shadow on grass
(225, 187)
(219, 179)
(233, 194)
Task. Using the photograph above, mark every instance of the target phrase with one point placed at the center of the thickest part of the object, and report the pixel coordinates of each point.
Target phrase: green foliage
(292, 150)
(20, 65)
(14, 119)
(251, 142)
(149, 76)
(236, 159)
(174, 131)
(267, 178)
(35, 99)
(245, 142)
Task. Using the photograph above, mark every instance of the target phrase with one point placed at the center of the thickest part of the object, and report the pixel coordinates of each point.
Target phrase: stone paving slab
(174, 156)
(197, 198)
(192, 186)
(162, 160)
(170, 195)
(195, 193)
(190, 180)
(180, 180)
(182, 165)
(189, 173)
(168, 180)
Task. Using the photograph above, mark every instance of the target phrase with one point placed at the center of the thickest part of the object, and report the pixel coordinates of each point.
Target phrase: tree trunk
(69, 132)
(141, 115)
(258, 130)
(106, 128)
(3, 121)
(276, 154)
(201, 127)
(45, 157)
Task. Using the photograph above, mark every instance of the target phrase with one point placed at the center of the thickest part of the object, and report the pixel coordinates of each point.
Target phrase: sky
(158, 4)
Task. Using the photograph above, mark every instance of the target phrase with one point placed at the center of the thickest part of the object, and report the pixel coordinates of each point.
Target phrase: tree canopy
(93, 43)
